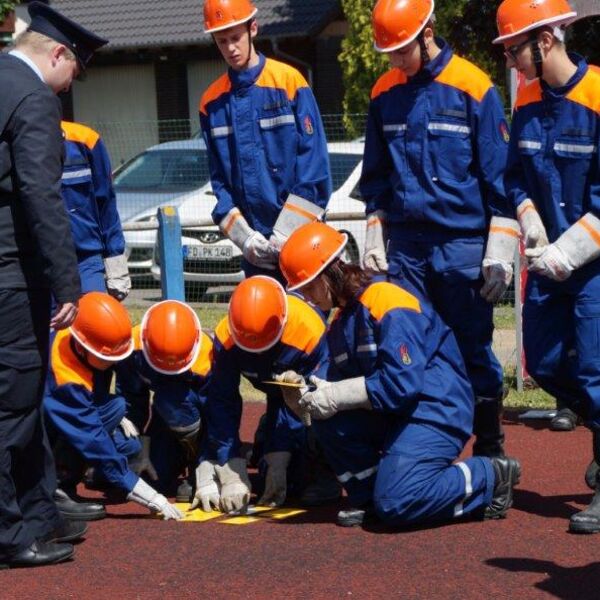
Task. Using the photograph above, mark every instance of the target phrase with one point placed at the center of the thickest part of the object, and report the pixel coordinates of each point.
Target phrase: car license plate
(208, 252)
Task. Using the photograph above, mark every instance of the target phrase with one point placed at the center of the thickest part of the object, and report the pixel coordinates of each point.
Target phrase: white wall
(120, 102)
(200, 75)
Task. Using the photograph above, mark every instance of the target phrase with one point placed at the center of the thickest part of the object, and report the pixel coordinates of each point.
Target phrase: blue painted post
(171, 254)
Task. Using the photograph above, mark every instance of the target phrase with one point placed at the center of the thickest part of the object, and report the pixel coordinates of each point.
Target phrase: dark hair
(346, 280)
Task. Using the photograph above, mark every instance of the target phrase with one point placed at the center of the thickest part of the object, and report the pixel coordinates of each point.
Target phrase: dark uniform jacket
(36, 247)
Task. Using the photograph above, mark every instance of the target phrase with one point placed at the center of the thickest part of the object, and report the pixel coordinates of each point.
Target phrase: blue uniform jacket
(553, 157)
(435, 148)
(73, 396)
(88, 193)
(178, 399)
(265, 140)
(302, 348)
(408, 356)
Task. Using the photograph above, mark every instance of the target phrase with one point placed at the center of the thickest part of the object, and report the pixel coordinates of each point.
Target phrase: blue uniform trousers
(405, 468)
(91, 272)
(78, 425)
(561, 335)
(448, 273)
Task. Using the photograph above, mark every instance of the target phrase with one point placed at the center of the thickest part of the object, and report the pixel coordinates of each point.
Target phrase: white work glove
(532, 229)
(147, 496)
(254, 246)
(129, 429)
(116, 273)
(497, 267)
(576, 247)
(258, 251)
(292, 395)
(296, 212)
(329, 397)
(235, 485)
(276, 479)
(375, 257)
(142, 463)
(207, 487)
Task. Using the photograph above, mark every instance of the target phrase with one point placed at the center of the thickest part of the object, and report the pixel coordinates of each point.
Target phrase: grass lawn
(504, 318)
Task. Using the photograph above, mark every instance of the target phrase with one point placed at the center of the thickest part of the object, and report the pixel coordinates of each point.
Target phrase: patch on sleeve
(308, 125)
(504, 131)
(404, 355)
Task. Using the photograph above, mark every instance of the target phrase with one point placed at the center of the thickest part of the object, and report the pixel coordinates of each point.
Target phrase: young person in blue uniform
(90, 200)
(265, 334)
(37, 260)
(172, 361)
(437, 214)
(396, 408)
(553, 183)
(269, 166)
(78, 403)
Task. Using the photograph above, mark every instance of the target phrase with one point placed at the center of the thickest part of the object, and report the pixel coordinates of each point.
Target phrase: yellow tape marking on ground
(197, 515)
(283, 513)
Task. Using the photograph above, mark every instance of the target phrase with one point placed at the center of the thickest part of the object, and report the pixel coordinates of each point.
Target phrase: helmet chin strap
(424, 54)
(248, 25)
(538, 60)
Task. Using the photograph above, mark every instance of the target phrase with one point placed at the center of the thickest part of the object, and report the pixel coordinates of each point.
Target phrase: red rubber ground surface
(528, 555)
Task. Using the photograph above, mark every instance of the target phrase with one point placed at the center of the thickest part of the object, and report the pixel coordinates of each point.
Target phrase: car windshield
(160, 170)
(342, 166)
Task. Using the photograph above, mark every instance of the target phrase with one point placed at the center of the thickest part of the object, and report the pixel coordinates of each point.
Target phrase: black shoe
(588, 520)
(39, 554)
(508, 473)
(185, 492)
(78, 511)
(67, 531)
(323, 491)
(565, 420)
(354, 517)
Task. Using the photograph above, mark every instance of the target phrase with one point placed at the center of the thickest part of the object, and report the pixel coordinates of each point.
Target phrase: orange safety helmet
(515, 17)
(257, 313)
(222, 14)
(103, 327)
(308, 251)
(171, 337)
(396, 23)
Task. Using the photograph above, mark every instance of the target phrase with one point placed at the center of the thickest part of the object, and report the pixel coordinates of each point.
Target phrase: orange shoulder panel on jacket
(304, 327)
(136, 334)
(203, 362)
(217, 88)
(586, 92)
(223, 334)
(466, 77)
(278, 75)
(67, 368)
(381, 297)
(76, 132)
(532, 92)
(387, 81)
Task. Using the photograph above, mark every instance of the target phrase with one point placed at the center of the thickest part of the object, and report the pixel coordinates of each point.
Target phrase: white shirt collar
(28, 62)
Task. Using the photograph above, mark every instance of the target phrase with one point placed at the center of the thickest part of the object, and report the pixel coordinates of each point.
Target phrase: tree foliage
(5, 7)
(469, 26)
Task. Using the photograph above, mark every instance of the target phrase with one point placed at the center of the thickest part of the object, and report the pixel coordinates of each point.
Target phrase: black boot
(588, 520)
(354, 517)
(78, 511)
(487, 427)
(39, 554)
(565, 420)
(508, 473)
(591, 474)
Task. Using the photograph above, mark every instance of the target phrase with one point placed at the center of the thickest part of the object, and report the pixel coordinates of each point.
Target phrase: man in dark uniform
(37, 258)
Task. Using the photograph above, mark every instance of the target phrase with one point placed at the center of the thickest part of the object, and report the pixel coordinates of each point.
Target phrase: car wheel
(194, 290)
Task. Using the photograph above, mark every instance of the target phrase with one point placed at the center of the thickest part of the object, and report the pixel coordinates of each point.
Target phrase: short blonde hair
(39, 43)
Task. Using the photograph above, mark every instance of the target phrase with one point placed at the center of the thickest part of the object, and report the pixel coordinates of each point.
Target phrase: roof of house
(151, 23)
